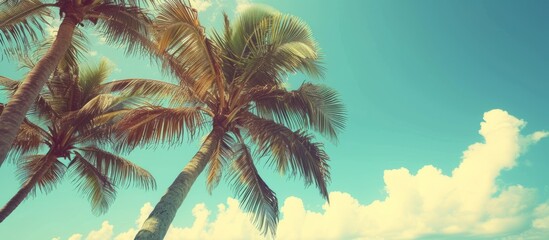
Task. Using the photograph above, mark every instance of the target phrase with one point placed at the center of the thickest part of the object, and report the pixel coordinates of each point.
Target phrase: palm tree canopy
(124, 22)
(120, 22)
(237, 79)
(73, 130)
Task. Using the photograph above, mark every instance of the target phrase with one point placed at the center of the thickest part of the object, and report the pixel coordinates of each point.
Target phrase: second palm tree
(237, 80)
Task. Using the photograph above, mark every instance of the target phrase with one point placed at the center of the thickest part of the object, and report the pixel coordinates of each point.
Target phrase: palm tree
(75, 115)
(237, 81)
(22, 22)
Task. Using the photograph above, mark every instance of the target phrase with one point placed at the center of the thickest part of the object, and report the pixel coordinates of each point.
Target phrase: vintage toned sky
(436, 146)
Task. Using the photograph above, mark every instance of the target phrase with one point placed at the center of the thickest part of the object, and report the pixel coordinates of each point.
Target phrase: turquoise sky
(417, 78)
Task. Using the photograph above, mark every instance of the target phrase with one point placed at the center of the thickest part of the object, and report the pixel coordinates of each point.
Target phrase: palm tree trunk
(156, 225)
(25, 189)
(26, 93)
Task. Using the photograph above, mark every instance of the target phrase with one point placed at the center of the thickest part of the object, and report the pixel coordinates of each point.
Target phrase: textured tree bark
(156, 225)
(27, 187)
(25, 95)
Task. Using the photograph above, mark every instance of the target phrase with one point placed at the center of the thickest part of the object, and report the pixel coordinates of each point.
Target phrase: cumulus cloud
(466, 202)
(539, 226)
(75, 237)
(231, 223)
(105, 232)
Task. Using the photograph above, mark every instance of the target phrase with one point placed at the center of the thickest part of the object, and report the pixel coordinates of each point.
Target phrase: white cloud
(105, 232)
(92, 53)
(201, 5)
(467, 202)
(223, 227)
(75, 237)
(539, 228)
(242, 5)
(52, 26)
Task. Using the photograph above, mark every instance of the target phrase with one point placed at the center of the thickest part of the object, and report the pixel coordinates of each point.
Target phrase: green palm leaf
(283, 43)
(257, 198)
(92, 183)
(291, 151)
(92, 76)
(30, 165)
(28, 140)
(21, 23)
(97, 106)
(180, 33)
(119, 171)
(314, 106)
(127, 26)
(155, 90)
(153, 125)
(76, 50)
(221, 155)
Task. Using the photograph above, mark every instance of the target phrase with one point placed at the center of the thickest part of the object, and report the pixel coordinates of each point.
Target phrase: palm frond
(92, 76)
(8, 84)
(180, 33)
(21, 24)
(76, 50)
(31, 165)
(120, 171)
(136, 3)
(218, 160)
(223, 40)
(124, 25)
(267, 45)
(63, 93)
(132, 28)
(244, 28)
(152, 89)
(291, 151)
(154, 125)
(92, 183)
(229, 58)
(253, 192)
(102, 129)
(314, 106)
(289, 44)
(28, 140)
(42, 105)
(109, 118)
(99, 105)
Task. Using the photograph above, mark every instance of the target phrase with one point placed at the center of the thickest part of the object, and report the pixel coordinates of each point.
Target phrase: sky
(445, 137)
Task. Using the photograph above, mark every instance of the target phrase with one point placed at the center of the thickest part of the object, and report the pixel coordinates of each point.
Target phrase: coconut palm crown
(235, 82)
(23, 22)
(74, 117)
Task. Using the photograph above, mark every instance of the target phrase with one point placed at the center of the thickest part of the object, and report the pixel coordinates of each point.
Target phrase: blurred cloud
(466, 202)
(201, 5)
(242, 5)
(52, 26)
